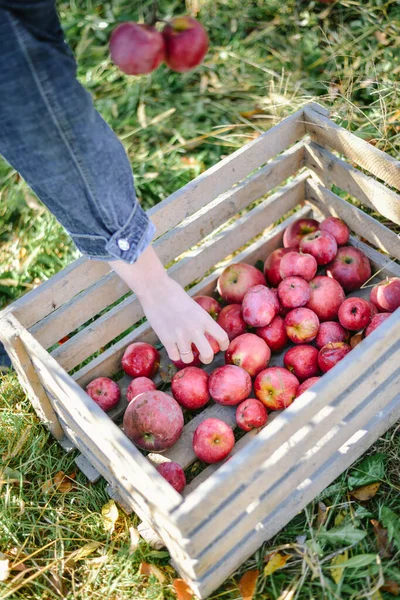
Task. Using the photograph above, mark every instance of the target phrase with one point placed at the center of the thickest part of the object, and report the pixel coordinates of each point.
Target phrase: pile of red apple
(263, 312)
(139, 49)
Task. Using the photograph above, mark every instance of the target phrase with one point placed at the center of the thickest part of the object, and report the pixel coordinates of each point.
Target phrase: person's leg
(5, 362)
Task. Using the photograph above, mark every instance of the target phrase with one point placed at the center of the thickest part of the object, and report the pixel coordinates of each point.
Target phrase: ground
(266, 59)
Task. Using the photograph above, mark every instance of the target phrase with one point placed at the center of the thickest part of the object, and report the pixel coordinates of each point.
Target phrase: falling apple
(186, 43)
(136, 48)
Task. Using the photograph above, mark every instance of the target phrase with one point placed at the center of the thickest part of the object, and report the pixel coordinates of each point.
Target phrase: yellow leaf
(376, 595)
(148, 569)
(276, 561)
(247, 584)
(60, 483)
(337, 573)
(322, 514)
(366, 492)
(4, 567)
(182, 590)
(340, 517)
(82, 552)
(110, 515)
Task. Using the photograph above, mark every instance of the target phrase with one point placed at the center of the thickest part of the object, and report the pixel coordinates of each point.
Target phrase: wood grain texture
(326, 133)
(298, 499)
(331, 170)
(190, 268)
(219, 487)
(358, 221)
(110, 288)
(109, 362)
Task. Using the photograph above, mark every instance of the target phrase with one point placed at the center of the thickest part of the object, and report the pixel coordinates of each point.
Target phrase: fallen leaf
(370, 470)
(58, 582)
(392, 587)
(182, 590)
(322, 514)
(110, 515)
(134, 536)
(4, 567)
(275, 561)
(149, 569)
(366, 492)
(247, 584)
(356, 339)
(64, 483)
(141, 115)
(377, 595)
(82, 552)
(8, 475)
(382, 539)
(287, 595)
(337, 571)
(381, 37)
(340, 517)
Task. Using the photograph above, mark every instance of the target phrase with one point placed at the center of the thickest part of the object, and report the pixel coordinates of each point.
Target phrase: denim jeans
(52, 135)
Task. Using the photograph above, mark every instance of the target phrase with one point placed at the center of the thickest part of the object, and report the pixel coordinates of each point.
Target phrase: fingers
(219, 334)
(185, 350)
(204, 348)
(172, 351)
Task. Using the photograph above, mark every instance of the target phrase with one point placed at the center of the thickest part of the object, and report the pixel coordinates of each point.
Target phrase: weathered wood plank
(110, 288)
(10, 333)
(326, 133)
(226, 173)
(217, 489)
(298, 499)
(109, 362)
(190, 268)
(358, 221)
(320, 440)
(331, 170)
(51, 294)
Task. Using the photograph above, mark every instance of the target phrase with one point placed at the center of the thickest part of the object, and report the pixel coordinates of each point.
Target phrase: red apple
(302, 360)
(321, 244)
(249, 352)
(337, 228)
(209, 304)
(351, 268)
(105, 392)
(259, 306)
(272, 266)
(326, 297)
(354, 314)
(301, 325)
(374, 310)
(274, 334)
(251, 414)
(331, 354)
(306, 384)
(297, 230)
(186, 43)
(296, 264)
(375, 322)
(174, 474)
(386, 295)
(189, 387)
(138, 386)
(236, 280)
(136, 48)
(140, 360)
(229, 385)
(331, 331)
(293, 292)
(276, 387)
(196, 362)
(213, 440)
(153, 421)
(231, 320)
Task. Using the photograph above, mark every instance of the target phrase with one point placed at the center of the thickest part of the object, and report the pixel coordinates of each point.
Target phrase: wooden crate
(230, 509)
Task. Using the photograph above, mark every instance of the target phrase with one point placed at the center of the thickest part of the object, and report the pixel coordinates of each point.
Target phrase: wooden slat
(226, 173)
(51, 294)
(199, 261)
(298, 499)
(110, 288)
(321, 439)
(21, 361)
(327, 133)
(109, 362)
(358, 221)
(216, 490)
(331, 170)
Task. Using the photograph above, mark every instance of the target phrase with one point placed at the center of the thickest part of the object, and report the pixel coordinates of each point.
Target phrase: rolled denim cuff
(126, 244)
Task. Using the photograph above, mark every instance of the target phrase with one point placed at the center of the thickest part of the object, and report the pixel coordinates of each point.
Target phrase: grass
(266, 60)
